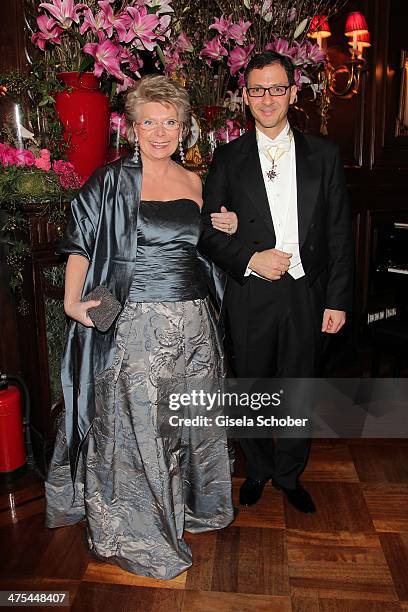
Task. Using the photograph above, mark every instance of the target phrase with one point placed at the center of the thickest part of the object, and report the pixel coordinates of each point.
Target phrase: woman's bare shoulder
(193, 184)
(194, 178)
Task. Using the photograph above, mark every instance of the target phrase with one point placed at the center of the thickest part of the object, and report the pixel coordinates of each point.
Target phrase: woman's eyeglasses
(149, 125)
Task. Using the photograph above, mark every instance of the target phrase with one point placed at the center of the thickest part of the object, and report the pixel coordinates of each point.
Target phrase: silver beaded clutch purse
(104, 315)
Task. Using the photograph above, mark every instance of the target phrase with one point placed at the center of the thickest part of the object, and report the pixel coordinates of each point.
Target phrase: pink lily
(111, 21)
(213, 49)
(134, 62)
(281, 45)
(238, 58)
(118, 124)
(300, 54)
(126, 84)
(107, 57)
(314, 54)
(164, 23)
(307, 53)
(92, 22)
(7, 155)
(24, 157)
(222, 25)
(141, 28)
(238, 31)
(184, 43)
(229, 132)
(172, 60)
(64, 11)
(49, 31)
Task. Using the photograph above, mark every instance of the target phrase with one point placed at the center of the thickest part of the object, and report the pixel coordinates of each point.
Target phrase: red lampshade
(319, 27)
(363, 40)
(355, 24)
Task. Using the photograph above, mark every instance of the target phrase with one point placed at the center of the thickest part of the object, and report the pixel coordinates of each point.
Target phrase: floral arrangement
(107, 37)
(28, 177)
(208, 43)
(25, 178)
(211, 45)
(30, 170)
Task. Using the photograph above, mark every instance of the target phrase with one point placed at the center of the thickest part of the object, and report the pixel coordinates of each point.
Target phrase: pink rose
(67, 176)
(44, 161)
(24, 157)
(7, 155)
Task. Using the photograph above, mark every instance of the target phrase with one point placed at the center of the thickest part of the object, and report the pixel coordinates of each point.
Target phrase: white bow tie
(280, 144)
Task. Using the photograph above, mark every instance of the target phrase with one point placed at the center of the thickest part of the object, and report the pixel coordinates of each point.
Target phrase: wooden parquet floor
(351, 556)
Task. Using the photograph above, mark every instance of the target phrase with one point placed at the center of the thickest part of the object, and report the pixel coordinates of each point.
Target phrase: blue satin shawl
(103, 228)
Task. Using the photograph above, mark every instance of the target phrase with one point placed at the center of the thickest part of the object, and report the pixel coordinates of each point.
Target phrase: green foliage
(17, 255)
(23, 184)
(14, 230)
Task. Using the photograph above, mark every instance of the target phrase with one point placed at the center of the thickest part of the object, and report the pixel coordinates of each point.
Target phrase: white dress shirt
(282, 194)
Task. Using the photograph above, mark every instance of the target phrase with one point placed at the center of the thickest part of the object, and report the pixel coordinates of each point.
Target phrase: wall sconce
(319, 30)
(344, 80)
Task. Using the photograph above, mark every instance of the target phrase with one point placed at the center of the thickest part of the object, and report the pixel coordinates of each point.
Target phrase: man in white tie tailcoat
(290, 264)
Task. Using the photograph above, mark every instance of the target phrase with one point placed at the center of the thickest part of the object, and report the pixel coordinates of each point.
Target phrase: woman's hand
(225, 221)
(79, 311)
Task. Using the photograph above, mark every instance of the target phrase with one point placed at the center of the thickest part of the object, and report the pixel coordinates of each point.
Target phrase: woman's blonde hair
(157, 88)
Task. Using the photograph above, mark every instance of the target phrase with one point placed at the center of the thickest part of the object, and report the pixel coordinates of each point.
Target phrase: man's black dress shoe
(299, 498)
(251, 491)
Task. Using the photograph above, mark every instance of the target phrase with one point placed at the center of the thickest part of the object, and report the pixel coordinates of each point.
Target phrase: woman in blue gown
(134, 229)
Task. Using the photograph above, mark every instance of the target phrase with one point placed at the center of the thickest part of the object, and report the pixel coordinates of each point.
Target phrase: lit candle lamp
(319, 30)
(356, 26)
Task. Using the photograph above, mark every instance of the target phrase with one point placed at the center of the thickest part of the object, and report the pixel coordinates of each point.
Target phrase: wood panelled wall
(11, 34)
(376, 160)
(11, 56)
(378, 177)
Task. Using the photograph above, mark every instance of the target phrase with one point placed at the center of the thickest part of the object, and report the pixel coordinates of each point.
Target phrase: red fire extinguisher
(12, 446)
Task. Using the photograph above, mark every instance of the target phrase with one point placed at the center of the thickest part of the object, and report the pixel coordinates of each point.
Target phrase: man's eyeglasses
(274, 90)
(149, 125)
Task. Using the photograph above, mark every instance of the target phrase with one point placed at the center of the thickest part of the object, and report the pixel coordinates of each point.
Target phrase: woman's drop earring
(136, 152)
(183, 161)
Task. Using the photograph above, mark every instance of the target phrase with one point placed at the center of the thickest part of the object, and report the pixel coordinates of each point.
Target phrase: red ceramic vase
(84, 113)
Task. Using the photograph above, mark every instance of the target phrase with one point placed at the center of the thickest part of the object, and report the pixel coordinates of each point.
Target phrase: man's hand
(333, 320)
(271, 264)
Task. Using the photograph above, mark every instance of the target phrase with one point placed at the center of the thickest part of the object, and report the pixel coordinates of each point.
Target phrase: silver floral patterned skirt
(138, 490)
